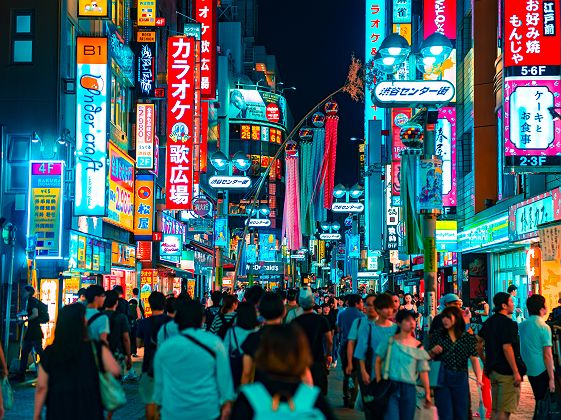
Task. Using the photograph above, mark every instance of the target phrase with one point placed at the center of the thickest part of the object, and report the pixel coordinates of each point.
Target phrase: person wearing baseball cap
(450, 299)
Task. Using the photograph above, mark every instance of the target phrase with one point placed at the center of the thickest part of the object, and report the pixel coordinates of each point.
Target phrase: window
(119, 100)
(118, 13)
(18, 162)
(22, 37)
(71, 50)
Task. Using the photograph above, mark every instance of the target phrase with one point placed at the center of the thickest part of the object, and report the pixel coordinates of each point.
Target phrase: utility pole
(9, 238)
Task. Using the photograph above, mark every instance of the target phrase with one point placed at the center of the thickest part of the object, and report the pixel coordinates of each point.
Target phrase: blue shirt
(404, 363)
(535, 334)
(99, 326)
(187, 379)
(378, 335)
(345, 321)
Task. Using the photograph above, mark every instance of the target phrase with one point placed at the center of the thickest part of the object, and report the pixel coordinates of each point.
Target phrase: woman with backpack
(68, 380)
(283, 357)
(246, 323)
(225, 318)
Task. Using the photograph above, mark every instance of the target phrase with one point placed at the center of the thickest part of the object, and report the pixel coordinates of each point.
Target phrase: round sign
(273, 113)
(202, 206)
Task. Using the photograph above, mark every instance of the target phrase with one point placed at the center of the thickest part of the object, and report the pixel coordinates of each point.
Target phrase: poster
(429, 185)
(144, 207)
(147, 280)
(121, 189)
(257, 105)
(445, 136)
(221, 232)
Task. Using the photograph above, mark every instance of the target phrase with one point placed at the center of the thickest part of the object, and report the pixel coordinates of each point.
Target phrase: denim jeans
(452, 398)
(402, 402)
(26, 348)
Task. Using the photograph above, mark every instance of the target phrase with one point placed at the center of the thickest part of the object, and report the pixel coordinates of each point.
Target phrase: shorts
(505, 395)
(146, 389)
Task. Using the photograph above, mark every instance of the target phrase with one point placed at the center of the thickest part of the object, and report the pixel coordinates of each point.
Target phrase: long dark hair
(459, 323)
(70, 334)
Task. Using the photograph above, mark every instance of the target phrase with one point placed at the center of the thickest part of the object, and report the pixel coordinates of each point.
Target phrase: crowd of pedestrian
(259, 353)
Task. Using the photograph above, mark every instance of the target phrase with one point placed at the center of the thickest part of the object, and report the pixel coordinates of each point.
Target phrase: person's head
(512, 290)
(246, 316)
(170, 306)
(325, 309)
(28, 291)
(157, 301)
(369, 305)
(503, 303)
(111, 300)
(119, 290)
(135, 291)
(82, 294)
(536, 305)
(396, 300)
(188, 314)
(229, 303)
(306, 298)
(216, 297)
(355, 301)
(407, 298)
(406, 320)
(450, 299)
(453, 319)
(95, 295)
(70, 332)
(291, 296)
(254, 294)
(384, 306)
(271, 307)
(283, 351)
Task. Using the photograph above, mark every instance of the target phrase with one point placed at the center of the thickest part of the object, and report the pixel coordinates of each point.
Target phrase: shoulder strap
(258, 397)
(386, 372)
(94, 317)
(235, 338)
(305, 397)
(201, 345)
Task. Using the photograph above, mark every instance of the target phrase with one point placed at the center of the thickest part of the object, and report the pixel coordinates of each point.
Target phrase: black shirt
(496, 331)
(148, 331)
(250, 346)
(454, 354)
(34, 331)
(118, 325)
(314, 326)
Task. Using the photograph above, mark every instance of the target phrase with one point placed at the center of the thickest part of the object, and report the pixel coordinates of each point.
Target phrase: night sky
(313, 41)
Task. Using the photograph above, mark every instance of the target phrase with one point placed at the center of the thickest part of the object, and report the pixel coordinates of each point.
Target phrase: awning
(178, 271)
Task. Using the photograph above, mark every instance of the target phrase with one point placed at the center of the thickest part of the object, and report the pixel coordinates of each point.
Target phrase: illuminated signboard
(401, 11)
(257, 105)
(446, 235)
(526, 217)
(121, 52)
(205, 11)
(221, 232)
(171, 247)
(403, 29)
(445, 135)
(181, 99)
(145, 119)
(145, 72)
(531, 36)
(144, 207)
(123, 254)
(89, 253)
(44, 223)
(91, 127)
(169, 225)
(121, 189)
(532, 136)
(392, 211)
(93, 9)
(146, 13)
(440, 16)
(446, 71)
(256, 132)
(399, 117)
(483, 234)
(406, 92)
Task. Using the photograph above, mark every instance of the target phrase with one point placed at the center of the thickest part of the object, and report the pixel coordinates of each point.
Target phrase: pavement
(133, 410)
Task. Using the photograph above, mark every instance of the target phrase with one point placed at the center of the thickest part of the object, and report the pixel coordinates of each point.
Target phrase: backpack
(114, 340)
(236, 359)
(226, 325)
(153, 344)
(299, 406)
(43, 310)
(210, 313)
(133, 313)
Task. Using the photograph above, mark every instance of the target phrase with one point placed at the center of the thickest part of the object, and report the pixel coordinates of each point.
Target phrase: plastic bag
(7, 394)
(424, 413)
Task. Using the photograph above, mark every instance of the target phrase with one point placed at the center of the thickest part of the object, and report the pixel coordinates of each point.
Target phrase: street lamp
(219, 160)
(35, 137)
(356, 191)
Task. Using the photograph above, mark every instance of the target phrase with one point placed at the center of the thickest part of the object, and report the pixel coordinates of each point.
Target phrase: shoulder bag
(377, 394)
(7, 394)
(112, 392)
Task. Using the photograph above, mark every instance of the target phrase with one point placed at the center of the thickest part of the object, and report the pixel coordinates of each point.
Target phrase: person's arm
(476, 369)
(41, 390)
(34, 314)
(350, 352)
(424, 376)
(480, 348)
(158, 377)
(363, 373)
(329, 346)
(109, 363)
(509, 355)
(548, 359)
(127, 349)
(377, 368)
(247, 371)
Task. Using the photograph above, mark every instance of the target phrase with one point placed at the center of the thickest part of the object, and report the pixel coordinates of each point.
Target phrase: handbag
(549, 408)
(112, 393)
(7, 394)
(426, 413)
(377, 394)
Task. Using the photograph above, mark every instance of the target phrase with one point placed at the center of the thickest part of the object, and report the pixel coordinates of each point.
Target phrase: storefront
(123, 269)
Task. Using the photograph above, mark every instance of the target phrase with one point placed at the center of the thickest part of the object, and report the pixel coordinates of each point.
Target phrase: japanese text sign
(375, 33)
(406, 92)
(399, 117)
(440, 16)
(146, 13)
(123, 254)
(45, 207)
(145, 54)
(145, 117)
(121, 189)
(181, 99)
(169, 225)
(445, 135)
(401, 11)
(531, 35)
(526, 217)
(532, 136)
(93, 9)
(144, 209)
(91, 127)
(205, 11)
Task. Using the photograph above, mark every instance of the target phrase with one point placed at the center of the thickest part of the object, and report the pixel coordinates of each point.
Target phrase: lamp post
(9, 238)
(433, 51)
(221, 163)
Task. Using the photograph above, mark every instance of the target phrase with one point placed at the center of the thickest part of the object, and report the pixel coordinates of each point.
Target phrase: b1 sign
(91, 127)
(532, 135)
(407, 92)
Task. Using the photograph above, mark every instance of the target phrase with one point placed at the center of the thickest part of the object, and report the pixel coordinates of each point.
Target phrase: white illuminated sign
(259, 222)
(347, 207)
(229, 182)
(330, 236)
(298, 256)
(407, 92)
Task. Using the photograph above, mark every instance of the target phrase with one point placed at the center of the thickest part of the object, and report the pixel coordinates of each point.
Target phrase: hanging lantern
(291, 149)
(306, 133)
(331, 108)
(318, 119)
(412, 135)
